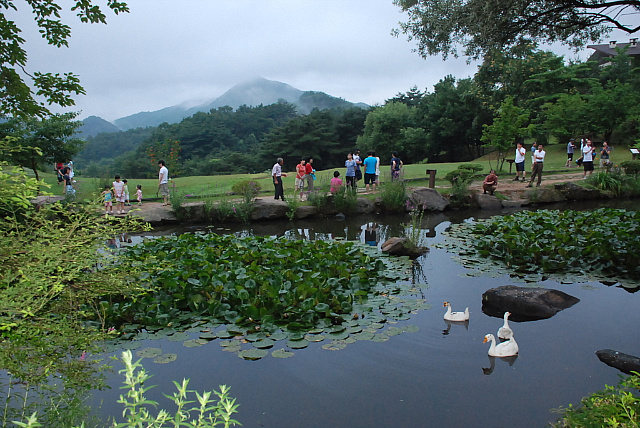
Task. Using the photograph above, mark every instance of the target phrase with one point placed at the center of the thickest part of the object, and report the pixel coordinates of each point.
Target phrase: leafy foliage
(17, 98)
(616, 406)
(250, 280)
(248, 189)
(394, 195)
(602, 241)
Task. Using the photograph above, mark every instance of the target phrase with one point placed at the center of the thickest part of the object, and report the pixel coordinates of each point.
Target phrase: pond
(439, 375)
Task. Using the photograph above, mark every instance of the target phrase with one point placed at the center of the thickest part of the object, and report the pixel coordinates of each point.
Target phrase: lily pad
(339, 335)
(282, 353)
(297, 344)
(334, 346)
(264, 343)
(255, 336)
(279, 335)
(410, 329)
(224, 334)
(363, 336)
(165, 358)
(381, 337)
(253, 354)
(194, 343)
(314, 337)
(179, 337)
(134, 344)
(208, 335)
(149, 352)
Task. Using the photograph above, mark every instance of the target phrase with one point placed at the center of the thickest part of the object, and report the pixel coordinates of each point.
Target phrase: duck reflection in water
(445, 332)
(492, 363)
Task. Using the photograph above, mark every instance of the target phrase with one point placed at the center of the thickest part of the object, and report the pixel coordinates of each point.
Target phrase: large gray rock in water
(305, 211)
(400, 247)
(365, 206)
(574, 192)
(155, 214)
(428, 199)
(268, 208)
(624, 362)
(525, 304)
(488, 202)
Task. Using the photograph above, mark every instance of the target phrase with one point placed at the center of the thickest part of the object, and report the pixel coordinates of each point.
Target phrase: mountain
(94, 125)
(252, 93)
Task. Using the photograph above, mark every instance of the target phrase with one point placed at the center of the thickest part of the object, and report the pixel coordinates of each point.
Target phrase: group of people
(356, 169)
(588, 154)
(118, 193)
(65, 177)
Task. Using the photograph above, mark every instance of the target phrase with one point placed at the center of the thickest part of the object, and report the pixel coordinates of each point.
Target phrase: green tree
(441, 26)
(19, 87)
(507, 128)
(42, 141)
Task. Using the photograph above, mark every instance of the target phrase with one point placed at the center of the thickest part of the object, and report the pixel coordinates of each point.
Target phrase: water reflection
(445, 332)
(492, 363)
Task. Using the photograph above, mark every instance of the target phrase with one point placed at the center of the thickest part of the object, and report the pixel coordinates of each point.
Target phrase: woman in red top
(308, 172)
(300, 172)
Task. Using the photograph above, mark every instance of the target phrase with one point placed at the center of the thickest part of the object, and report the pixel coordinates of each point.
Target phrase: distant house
(603, 52)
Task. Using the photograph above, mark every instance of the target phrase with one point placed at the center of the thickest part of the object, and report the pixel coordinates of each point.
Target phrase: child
(336, 182)
(107, 196)
(118, 190)
(139, 193)
(126, 193)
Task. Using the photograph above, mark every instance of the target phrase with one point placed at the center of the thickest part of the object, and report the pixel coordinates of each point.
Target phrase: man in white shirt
(538, 157)
(587, 154)
(520, 154)
(163, 182)
(276, 173)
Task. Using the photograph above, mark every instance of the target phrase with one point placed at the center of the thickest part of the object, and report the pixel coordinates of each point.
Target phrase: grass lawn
(218, 186)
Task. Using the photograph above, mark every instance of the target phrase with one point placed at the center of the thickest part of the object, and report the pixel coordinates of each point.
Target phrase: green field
(220, 185)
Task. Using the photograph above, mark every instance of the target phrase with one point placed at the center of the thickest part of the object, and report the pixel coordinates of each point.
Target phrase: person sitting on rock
(490, 182)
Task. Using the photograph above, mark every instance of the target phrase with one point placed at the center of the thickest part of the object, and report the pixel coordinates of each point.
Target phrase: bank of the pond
(510, 194)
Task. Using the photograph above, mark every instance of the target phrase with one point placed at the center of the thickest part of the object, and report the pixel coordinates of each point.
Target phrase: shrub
(394, 195)
(248, 189)
(345, 200)
(318, 198)
(631, 167)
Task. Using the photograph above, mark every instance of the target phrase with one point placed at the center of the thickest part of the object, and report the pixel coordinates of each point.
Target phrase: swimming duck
(505, 331)
(455, 316)
(504, 349)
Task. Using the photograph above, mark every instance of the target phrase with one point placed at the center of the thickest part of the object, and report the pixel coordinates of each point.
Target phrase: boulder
(525, 304)
(575, 192)
(268, 209)
(400, 247)
(544, 195)
(428, 199)
(305, 211)
(154, 213)
(39, 201)
(624, 362)
(365, 206)
(487, 202)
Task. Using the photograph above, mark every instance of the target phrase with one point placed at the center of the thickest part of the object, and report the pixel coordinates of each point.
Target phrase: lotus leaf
(297, 344)
(178, 337)
(279, 335)
(264, 343)
(224, 334)
(165, 358)
(339, 335)
(133, 344)
(209, 335)
(253, 354)
(282, 353)
(193, 343)
(380, 337)
(410, 329)
(314, 337)
(363, 336)
(255, 336)
(334, 346)
(149, 353)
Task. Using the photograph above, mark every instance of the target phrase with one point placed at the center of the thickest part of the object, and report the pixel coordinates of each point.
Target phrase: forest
(516, 93)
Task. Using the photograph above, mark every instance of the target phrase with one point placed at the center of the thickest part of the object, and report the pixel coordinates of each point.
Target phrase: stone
(428, 199)
(39, 201)
(155, 214)
(624, 362)
(365, 206)
(544, 195)
(487, 202)
(525, 304)
(399, 247)
(268, 209)
(575, 192)
(305, 211)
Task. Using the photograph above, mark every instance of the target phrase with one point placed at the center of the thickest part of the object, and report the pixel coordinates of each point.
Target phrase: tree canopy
(482, 26)
(22, 90)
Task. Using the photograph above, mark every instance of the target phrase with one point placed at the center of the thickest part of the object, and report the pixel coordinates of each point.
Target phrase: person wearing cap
(570, 147)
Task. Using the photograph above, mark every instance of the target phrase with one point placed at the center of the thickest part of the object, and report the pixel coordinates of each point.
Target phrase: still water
(438, 376)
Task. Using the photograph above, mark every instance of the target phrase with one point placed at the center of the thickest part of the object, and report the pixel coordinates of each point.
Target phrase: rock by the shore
(399, 247)
(624, 362)
(574, 192)
(428, 199)
(525, 304)
(154, 213)
(487, 202)
(268, 209)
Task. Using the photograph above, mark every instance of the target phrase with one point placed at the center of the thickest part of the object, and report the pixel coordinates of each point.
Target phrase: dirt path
(506, 183)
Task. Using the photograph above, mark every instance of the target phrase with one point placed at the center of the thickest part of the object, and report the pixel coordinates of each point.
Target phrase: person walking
(538, 156)
(276, 173)
(308, 174)
(300, 172)
(377, 168)
(139, 193)
(533, 149)
(163, 182)
(396, 165)
(520, 155)
(118, 191)
(570, 147)
(127, 202)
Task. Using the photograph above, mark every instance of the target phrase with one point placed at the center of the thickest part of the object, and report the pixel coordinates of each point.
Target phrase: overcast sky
(166, 52)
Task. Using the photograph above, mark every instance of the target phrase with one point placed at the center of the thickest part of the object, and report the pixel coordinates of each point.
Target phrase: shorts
(520, 166)
(588, 165)
(299, 183)
(369, 178)
(120, 198)
(570, 156)
(351, 180)
(108, 204)
(164, 189)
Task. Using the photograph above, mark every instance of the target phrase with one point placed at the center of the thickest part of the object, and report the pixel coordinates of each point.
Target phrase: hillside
(94, 125)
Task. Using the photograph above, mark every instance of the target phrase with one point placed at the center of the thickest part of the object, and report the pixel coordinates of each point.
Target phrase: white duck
(504, 349)
(505, 331)
(455, 316)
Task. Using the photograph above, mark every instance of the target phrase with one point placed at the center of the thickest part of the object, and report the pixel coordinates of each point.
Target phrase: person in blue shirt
(370, 171)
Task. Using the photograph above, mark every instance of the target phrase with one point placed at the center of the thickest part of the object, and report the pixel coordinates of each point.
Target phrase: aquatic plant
(394, 195)
(602, 242)
(345, 200)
